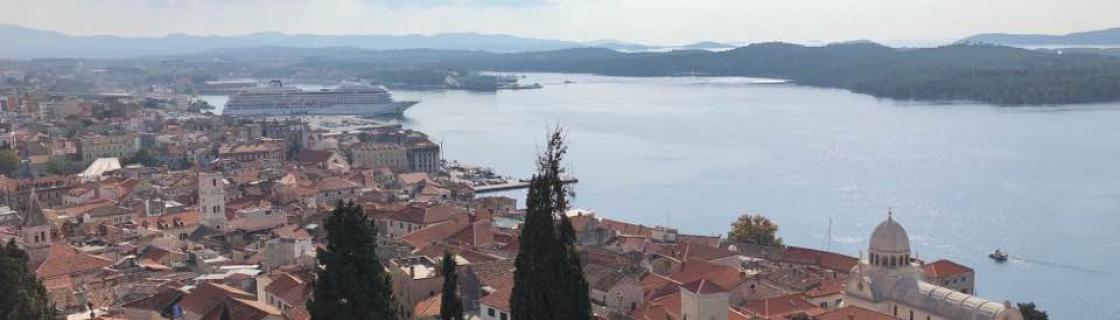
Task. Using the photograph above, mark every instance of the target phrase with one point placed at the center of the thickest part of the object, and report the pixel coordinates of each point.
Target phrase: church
(891, 281)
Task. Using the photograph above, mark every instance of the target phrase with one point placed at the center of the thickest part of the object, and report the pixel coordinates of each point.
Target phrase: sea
(964, 179)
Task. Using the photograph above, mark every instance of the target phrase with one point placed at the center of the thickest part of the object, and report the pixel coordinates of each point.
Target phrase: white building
(889, 282)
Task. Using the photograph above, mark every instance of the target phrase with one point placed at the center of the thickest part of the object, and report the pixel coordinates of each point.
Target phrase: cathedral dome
(889, 238)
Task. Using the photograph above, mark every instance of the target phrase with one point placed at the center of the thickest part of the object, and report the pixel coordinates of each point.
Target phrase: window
(504, 316)
(490, 312)
(911, 314)
(896, 310)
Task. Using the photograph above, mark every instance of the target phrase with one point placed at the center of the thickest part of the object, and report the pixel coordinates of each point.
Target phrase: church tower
(36, 231)
(212, 200)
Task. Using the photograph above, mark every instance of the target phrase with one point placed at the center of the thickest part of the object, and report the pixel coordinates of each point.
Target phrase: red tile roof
(289, 288)
(173, 220)
(156, 302)
(499, 299)
(243, 309)
(828, 260)
(292, 231)
(827, 287)
(703, 286)
(781, 306)
(428, 308)
(626, 228)
(65, 260)
(313, 156)
(854, 313)
(425, 237)
(695, 269)
(701, 251)
(208, 296)
(944, 268)
(336, 183)
(416, 214)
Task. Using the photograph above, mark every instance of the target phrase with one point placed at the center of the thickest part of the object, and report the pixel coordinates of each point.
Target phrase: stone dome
(889, 238)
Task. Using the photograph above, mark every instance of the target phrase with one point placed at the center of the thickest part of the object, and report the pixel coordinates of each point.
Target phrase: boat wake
(1060, 265)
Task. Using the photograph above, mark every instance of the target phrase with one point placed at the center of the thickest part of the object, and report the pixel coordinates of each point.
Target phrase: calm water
(1041, 183)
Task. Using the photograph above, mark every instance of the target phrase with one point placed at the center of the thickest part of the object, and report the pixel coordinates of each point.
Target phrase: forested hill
(982, 73)
(962, 72)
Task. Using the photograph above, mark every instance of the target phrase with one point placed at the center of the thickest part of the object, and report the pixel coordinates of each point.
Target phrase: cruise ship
(348, 100)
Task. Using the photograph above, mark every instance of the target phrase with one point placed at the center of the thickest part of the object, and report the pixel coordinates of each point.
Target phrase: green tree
(548, 281)
(225, 312)
(62, 167)
(451, 304)
(1031, 312)
(756, 229)
(352, 283)
(24, 296)
(142, 157)
(9, 161)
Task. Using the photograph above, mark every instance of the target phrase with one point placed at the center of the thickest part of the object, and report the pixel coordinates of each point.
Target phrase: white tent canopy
(100, 167)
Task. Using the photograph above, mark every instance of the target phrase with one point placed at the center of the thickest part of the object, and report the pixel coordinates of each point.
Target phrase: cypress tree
(352, 283)
(225, 312)
(450, 305)
(548, 281)
(22, 295)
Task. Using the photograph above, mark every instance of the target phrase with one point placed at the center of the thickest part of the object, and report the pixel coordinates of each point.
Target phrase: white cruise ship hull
(359, 110)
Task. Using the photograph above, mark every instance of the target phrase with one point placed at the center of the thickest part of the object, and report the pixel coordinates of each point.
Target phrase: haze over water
(1042, 183)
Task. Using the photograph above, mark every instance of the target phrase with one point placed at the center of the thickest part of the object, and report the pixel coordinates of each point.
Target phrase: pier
(513, 185)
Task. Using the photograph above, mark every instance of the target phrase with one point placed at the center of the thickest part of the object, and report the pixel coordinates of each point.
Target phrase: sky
(662, 22)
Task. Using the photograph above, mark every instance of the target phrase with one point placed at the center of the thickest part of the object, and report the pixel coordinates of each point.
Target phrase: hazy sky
(647, 21)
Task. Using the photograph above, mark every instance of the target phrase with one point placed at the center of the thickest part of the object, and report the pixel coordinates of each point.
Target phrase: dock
(514, 185)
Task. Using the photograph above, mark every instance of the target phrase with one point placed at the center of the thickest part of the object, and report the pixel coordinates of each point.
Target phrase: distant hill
(28, 43)
(25, 43)
(618, 45)
(707, 45)
(1107, 37)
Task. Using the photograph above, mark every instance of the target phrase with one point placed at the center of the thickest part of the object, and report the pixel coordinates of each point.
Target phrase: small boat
(998, 256)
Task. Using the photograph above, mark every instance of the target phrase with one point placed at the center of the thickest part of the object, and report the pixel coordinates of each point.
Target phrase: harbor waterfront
(1038, 182)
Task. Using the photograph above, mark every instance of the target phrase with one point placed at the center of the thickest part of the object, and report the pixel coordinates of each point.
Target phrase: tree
(142, 157)
(1031, 312)
(548, 281)
(62, 167)
(352, 283)
(9, 161)
(24, 296)
(450, 305)
(225, 312)
(756, 229)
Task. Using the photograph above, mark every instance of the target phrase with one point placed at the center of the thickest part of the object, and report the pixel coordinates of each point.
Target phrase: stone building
(295, 132)
(111, 146)
(424, 157)
(377, 155)
(212, 200)
(890, 282)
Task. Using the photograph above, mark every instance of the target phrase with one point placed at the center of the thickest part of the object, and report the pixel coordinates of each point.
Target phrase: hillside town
(140, 208)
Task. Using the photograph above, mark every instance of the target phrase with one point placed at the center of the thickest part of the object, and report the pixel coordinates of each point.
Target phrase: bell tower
(35, 230)
(212, 200)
